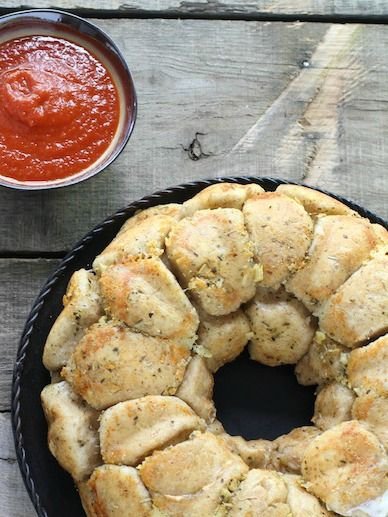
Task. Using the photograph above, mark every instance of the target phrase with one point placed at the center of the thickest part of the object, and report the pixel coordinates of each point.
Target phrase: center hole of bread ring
(258, 401)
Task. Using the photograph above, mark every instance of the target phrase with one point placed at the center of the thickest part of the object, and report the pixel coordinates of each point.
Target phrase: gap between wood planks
(20, 254)
(193, 11)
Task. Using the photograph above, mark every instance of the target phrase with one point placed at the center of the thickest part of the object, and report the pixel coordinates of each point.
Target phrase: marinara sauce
(59, 108)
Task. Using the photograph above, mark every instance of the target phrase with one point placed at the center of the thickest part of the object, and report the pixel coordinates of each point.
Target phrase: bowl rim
(159, 197)
(66, 18)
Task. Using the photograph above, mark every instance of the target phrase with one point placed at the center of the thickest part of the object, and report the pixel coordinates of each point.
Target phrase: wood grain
(21, 281)
(301, 101)
(13, 496)
(229, 8)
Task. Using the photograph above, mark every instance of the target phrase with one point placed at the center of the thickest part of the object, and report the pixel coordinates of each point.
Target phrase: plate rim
(142, 203)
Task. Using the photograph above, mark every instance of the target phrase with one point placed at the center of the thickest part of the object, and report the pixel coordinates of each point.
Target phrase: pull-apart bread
(294, 275)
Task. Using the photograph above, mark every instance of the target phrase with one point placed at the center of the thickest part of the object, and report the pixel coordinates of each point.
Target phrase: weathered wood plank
(299, 101)
(21, 281)
(13, 496)
(214, 7)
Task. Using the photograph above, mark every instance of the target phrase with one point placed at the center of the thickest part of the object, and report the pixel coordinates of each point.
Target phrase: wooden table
(224, 88)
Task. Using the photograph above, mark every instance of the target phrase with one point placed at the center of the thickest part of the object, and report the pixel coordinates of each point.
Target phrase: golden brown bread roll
(296, 276)
(112, 364)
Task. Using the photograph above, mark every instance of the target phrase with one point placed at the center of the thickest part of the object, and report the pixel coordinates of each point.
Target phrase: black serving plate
(252, 400)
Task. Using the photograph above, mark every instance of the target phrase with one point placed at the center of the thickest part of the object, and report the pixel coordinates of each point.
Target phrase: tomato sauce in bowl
(67, 100)
(59, 108)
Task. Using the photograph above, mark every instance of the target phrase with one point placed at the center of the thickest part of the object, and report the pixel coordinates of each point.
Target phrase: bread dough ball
(290, 448)
(112, 364)
(261, 494)
(131, 430)
(341, 243)
(368, 368)
(282, 327)
(213, 256)
(281, 232)
(82, 308)
(197, 389)
(357, 311)
(145, 295)
(221, 195)
(193, 477)
(325, 361)
(345, 466)
(142, 235)
(117, 491)
(372, 410)
(315, 202)
(333, 405)
(222, 338)
(72, 430)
